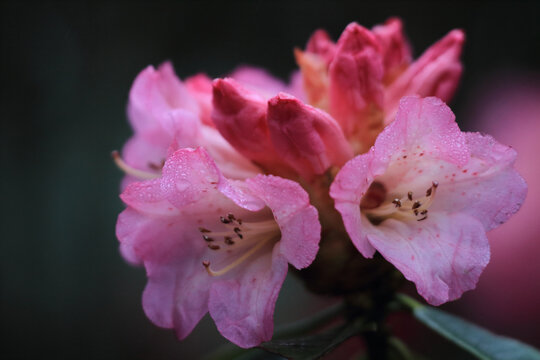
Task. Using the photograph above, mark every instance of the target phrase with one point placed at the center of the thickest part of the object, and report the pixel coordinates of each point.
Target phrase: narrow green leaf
(480, 342)
(315, 346)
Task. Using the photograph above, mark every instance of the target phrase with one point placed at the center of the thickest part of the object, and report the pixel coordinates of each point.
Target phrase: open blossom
(425, 195)
(360, 79)
(217, 245)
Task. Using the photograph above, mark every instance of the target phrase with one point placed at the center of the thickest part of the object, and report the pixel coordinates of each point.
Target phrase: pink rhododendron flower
(360, 79)
(425, 195)
(228, 165)
(213, 244)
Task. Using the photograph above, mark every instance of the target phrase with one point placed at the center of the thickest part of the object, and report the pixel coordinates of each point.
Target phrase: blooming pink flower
(425, 195)
(213, 244)
(360, 79)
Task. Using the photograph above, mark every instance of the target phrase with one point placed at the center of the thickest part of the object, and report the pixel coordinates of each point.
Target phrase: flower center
(408, 207)
(239, 240)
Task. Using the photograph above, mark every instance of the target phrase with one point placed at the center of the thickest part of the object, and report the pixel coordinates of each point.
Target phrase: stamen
(403, 208)
(237, 262)
(141, 174)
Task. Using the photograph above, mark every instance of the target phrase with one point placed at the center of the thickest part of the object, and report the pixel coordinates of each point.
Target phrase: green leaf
(472, 338)
(314, 346)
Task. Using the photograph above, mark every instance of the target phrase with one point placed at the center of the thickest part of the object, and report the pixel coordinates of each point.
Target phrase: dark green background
(66, 69)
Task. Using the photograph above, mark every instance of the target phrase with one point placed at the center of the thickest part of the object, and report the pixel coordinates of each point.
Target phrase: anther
(396, 202)
(424, 218)
(423, 212)
(237, 230)
(156, 167)
(231, 217)
(204, 230)
(224, 220)
(428, 191)
(207, 238)
(435, 184)
(409, 195)
(229, 240)
(206, 263)
(415, 212)
(213, 247)
(416, 204)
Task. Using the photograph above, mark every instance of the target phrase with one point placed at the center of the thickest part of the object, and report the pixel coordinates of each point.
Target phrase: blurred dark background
(66, 69)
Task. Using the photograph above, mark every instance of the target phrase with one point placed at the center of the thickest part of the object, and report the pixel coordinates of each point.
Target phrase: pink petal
(487, 188)
(177, 291)
(142, 154)
(258, 80)
(443, 255)
(240, 117)
(147, 197)
(128, 253)
(350, 184)
(188, 175)
(395, 48)
(309, 140)
(435, 73)
(230, 162)
(320, 44)
(422, 126)
(314, 72)
(176, 295)
(200, 87)
(296, 217)
(243, 307)
(356, 92)
(154, 93)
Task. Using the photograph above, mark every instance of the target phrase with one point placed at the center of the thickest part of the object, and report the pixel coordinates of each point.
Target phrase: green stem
(401, 348)
(408, 301)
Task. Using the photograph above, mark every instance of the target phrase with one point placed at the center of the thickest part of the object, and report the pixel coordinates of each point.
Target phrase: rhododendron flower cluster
(230, 180)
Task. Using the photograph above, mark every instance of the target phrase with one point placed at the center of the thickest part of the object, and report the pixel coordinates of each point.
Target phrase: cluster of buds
(231, 180)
